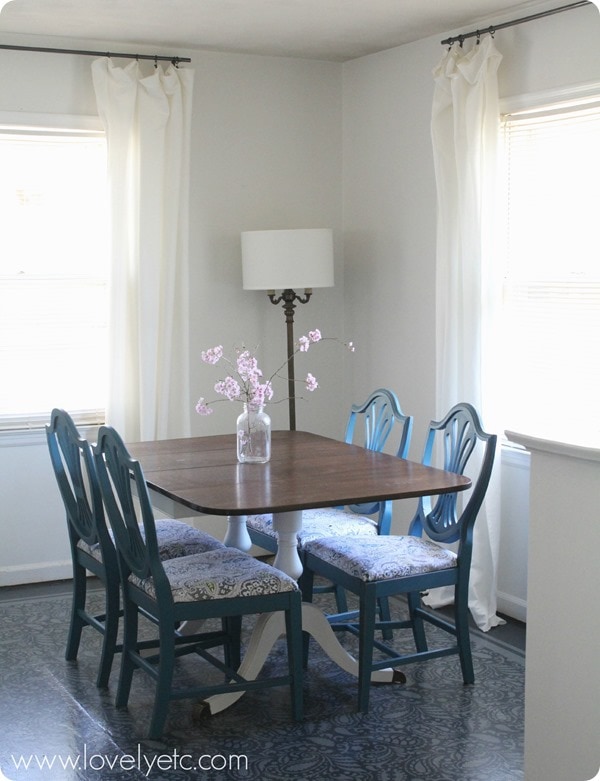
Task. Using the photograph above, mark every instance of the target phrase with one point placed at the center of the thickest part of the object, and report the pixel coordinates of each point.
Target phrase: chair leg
(463, 637)
(418, 629)
(166, 666)
(306, 583)
(385, 615)
(77, 607)
(111, 627)
(130, 620)
(232, 648)
(368, 615)
(340, 599)
(295, 651)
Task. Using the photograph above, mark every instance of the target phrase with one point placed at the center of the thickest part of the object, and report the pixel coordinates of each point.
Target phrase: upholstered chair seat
(218, 574)
(175, 539)
(324, 522)
(383, 558)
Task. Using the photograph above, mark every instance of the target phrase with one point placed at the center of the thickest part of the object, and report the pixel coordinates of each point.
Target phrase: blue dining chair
(370, 424)
(90, 541)
(223, 583)
(371, 567)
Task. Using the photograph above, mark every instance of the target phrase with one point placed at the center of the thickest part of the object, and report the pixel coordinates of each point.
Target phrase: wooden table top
(305, 471)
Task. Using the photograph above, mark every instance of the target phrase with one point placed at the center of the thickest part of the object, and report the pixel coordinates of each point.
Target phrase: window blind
(551, 324)
(53, 275)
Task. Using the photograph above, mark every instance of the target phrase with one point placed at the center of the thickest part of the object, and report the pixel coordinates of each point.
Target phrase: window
(53, 274)
(552, 283)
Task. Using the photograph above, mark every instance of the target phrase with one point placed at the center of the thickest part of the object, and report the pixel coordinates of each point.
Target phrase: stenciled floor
(56, 726)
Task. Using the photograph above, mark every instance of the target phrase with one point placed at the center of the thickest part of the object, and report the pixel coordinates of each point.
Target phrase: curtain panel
(465, 132)
(147, 119)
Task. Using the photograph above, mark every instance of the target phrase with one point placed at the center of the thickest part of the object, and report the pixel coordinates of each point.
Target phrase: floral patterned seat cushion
(175, 539)
(219, 574)
(383, 558)
(322, 522)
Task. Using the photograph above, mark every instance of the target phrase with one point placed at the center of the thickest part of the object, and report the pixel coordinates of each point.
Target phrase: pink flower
(247, 367)
(260, 394)
(229, 388)
(246, 382)
(213, 355)
(202, 408)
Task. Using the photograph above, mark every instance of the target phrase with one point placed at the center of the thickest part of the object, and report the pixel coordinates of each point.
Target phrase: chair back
(119, 475)
(378, 416)
(458, 435)
(73, 464)
(370, 424)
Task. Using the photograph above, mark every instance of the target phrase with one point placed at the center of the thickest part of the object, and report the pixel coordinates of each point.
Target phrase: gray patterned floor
(430, 729)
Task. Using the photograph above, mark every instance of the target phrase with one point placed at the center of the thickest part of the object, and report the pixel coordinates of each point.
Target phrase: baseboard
(20, 574)
(512, 606)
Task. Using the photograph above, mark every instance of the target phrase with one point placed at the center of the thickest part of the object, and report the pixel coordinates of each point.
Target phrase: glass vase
(253, 436)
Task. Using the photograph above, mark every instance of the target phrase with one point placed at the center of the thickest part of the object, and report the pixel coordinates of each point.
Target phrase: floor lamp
(288, 260)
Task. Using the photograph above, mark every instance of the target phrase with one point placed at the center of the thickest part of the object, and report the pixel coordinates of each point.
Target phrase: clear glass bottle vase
(253, 436)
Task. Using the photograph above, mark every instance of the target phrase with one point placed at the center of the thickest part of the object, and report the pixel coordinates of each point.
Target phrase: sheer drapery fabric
(465, 132)
(147, 119)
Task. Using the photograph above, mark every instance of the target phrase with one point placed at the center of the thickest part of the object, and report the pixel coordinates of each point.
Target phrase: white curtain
(465, 128)
(147, 119)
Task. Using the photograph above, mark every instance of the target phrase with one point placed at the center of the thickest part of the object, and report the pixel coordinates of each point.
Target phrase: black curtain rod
(492, 29)
(154, 57)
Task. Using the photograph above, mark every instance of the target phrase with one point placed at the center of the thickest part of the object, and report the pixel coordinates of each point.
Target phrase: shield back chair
(413, 563)
(221, 584)
(92, 548)
(370, 424)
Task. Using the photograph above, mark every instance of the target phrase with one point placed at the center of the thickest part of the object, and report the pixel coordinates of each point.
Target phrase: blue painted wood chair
(370, 424)
(412, 564)
(91, 544)
(91, 547)
(223, 583)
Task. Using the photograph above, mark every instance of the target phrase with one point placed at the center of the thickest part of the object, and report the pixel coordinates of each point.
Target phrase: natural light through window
(552, 286)
(53, 275)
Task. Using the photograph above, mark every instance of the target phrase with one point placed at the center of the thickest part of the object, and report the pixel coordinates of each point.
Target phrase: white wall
(561, 711)
(390, 228)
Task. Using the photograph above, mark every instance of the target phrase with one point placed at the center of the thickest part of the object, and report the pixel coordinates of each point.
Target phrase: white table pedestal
(270, 626)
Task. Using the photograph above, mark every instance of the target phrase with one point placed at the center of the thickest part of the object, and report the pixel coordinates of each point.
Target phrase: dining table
(306, 471)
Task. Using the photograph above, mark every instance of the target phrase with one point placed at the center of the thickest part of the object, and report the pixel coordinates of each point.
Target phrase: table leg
(237, 533)
(287, 526)
(269, 627)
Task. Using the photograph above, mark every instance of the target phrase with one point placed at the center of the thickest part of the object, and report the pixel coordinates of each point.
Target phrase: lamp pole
(289, 298)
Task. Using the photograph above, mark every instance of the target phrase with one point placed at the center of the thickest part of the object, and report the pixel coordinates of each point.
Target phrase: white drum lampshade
(287, 259)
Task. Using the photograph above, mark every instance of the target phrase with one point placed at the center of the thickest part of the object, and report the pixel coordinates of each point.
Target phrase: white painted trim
(512, 606)
(22, 438)
(515, 456)
(37, 436)
(574, 92)
(23, 121)
(587, 452)
(39, 572)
